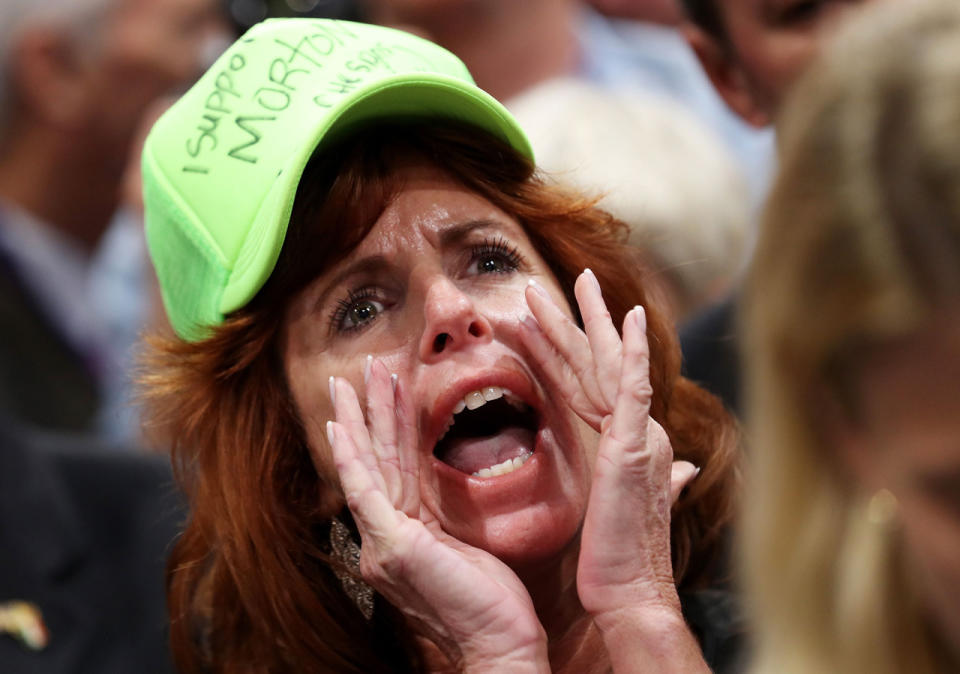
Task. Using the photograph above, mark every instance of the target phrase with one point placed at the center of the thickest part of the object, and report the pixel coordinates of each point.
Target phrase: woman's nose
(451, 321)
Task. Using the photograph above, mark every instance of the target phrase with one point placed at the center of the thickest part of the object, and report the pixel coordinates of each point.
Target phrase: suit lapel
(43, 381)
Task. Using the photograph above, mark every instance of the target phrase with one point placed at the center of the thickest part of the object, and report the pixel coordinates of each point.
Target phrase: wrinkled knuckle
(615, 440)
(629, 447)
(642, 391)
(393, 562)
(658, 435)
(354, 501)
(372, 571)
(659, 441)
(605, 464)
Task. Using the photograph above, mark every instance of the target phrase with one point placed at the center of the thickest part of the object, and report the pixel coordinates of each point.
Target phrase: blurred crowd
(816, 293)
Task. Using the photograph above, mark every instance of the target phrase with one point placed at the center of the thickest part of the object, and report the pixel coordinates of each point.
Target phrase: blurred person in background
(83, 529)
(655, 167)
(244, 13)
(510, 47)
(752, 52)
(76, 76)
(852, 326)
(667, 12)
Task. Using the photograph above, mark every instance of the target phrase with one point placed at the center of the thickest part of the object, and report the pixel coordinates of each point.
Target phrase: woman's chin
(524, 516)
(528, 537)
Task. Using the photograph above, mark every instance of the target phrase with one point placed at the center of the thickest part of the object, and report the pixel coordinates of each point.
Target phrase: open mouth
(492, 433)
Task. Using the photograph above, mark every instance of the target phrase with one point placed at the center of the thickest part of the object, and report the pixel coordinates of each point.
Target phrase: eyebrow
(371, 264)
(457, 233)
(365, 265)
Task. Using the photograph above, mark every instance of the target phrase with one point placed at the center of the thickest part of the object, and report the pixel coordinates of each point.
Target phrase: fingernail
(333, 391)
(366, 369)
(589, 273)
(537, 287)
(640, 316)
(393, 381)
(529, 323)
(696, 471)
(330, 433)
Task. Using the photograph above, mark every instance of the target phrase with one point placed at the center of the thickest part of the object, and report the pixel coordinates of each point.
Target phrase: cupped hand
(471, 605)
(625, 559)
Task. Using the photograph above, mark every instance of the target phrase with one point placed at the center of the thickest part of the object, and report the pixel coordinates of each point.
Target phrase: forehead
(427, 207)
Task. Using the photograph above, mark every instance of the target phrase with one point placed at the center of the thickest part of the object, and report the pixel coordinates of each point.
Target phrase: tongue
(468, 455)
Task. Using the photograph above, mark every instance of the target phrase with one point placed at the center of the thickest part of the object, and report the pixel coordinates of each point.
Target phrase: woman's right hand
(470, 604)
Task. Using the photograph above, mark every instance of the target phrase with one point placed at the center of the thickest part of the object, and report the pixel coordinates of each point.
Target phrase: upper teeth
(481, 397)
(476, 399)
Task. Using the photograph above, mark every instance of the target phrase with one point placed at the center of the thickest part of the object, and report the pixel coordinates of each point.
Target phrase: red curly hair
(252, 582)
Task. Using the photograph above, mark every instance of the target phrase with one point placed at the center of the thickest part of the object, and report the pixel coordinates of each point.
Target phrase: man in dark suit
(43, 380)
(84, 535)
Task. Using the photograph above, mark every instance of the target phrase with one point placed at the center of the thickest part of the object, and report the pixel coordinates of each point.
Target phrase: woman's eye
(363, 311)
(492, 265)
(356, 311)
(496, 257)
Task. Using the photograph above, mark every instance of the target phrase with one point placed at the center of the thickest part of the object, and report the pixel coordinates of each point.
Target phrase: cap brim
(423, 96)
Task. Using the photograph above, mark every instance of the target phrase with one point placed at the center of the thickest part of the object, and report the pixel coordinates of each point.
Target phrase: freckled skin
(427, 284)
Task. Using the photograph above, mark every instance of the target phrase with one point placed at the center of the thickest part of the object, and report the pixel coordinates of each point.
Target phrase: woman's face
(436, 291)
(908, 441)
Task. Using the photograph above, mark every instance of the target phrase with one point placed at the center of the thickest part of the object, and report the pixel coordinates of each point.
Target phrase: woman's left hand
(625, 562)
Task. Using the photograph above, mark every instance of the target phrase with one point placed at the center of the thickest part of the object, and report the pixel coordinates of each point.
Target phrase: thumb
(681, 474)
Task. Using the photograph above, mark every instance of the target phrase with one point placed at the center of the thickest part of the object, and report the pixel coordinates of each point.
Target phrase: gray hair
(657, 168)
(79, 18)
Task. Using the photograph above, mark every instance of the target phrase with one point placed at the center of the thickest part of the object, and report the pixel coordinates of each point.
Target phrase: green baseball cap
(221, 166)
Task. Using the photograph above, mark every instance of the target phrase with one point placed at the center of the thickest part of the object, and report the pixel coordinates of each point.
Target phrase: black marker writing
(255, 136)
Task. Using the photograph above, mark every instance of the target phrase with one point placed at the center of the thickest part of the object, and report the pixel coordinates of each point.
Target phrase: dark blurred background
(245, 13)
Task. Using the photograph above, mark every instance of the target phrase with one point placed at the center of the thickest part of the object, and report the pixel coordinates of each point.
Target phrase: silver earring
(347, 551)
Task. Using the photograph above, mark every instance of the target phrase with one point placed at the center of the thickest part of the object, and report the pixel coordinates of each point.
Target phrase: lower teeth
(507, 466)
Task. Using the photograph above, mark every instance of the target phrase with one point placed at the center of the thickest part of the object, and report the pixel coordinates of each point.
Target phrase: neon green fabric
(221, 167)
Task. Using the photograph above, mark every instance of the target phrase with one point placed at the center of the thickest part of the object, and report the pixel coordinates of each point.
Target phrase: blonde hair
(860, 244)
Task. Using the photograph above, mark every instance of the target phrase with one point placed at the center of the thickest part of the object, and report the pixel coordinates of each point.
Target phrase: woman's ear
(727, 76)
